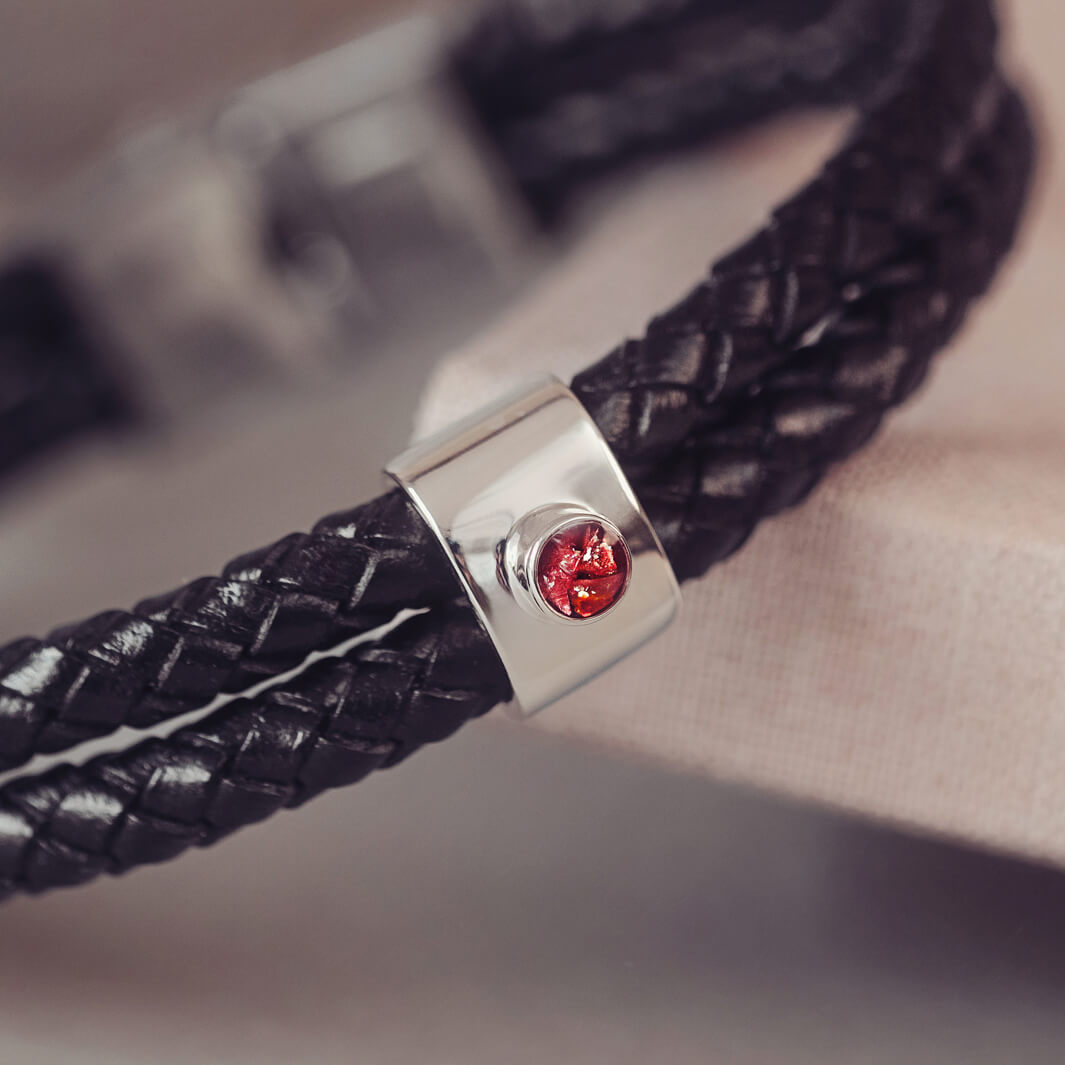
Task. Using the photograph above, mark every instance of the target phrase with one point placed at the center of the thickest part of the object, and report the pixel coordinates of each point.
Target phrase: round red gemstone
(583, 569)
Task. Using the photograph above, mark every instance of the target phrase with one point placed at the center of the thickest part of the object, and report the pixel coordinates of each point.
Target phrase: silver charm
(547, 537)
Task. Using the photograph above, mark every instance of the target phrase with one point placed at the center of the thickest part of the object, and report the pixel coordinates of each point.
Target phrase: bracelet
(782, 361)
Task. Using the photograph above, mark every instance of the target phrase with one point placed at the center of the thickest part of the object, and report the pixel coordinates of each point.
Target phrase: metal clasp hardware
(340, 207)
(382, 201)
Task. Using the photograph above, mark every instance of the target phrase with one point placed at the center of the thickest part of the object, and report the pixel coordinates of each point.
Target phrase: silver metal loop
(547, 537)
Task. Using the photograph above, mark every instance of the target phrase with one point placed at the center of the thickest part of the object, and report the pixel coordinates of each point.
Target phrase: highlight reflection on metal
(493, 487)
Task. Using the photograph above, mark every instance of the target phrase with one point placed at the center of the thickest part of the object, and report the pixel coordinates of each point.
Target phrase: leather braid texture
(873, 213)
(768, 450)
(344, 718)
(730, 409)
(564, 101)
(174, 653)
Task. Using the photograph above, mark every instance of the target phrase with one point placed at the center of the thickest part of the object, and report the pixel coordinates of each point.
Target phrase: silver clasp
(327, 212)
(382, 201)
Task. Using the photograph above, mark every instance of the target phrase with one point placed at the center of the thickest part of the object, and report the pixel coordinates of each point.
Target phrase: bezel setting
(524, 549)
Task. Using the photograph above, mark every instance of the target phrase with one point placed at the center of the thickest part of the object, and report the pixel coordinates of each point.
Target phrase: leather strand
(262, 616)
(757, 457)
(871, 205)
(564, 98)
(903, 230)
(269, 610)
(343, 718)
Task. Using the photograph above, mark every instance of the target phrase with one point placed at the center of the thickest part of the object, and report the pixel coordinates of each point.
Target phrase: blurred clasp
(329, 212)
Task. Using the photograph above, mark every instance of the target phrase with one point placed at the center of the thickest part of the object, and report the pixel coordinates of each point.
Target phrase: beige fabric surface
(897, 646)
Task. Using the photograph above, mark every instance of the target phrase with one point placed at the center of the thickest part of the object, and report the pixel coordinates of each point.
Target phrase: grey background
(504, 898)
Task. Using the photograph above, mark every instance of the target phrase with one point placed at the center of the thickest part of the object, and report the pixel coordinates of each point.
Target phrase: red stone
(583, 569)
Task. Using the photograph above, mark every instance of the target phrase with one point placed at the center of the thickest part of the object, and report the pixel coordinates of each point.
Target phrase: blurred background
(508, 897)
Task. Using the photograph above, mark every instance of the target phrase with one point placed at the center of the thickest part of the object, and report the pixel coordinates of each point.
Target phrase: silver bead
(542, 528)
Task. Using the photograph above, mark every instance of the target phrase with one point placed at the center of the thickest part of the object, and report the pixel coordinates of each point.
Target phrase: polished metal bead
(547, 537)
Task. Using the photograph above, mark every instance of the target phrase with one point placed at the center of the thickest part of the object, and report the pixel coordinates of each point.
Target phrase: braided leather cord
(344, 718)
(265, 613)
(564, 98)
(762, 450)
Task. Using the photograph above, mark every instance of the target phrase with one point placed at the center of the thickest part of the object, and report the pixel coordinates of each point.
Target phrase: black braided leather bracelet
(782, 361)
